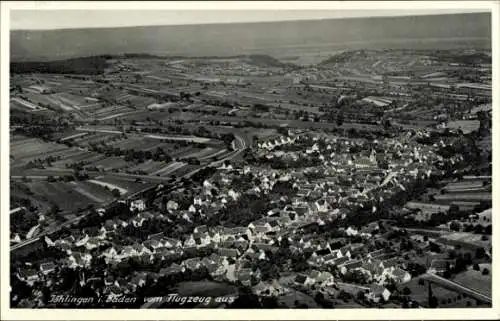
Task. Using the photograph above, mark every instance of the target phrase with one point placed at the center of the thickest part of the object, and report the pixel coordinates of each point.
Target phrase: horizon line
(256, 22)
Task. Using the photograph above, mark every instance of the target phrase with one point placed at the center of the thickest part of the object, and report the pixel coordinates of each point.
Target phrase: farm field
(130, 184)
(92, 138)
(193, 139)
(72, 100)
(69, 196)
(24, 105)
(79, 156)
(111, 163)
(476, 280)
(468, 197)
(169, 169)
(148, 167)
(51, 100)
(465, 239)
(24, 149)
(446, 298)
(138, 143)
(288, 300)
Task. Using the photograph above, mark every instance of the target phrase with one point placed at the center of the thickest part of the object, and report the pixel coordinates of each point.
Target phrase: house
(153, 244)
(79, 259)
(156, 236)
(139, 205)
(325, 279)
(339, 261)
(140, 249)
(138, 221)
(304, 280)
(190, 241)
(321, 253)
(138, 280)
(399, 275)
(47, 267)
(109, 280)
(377, 293)
(200, 229)
(192, 264)
(439, 266)
(274, 225)
(29, 276)
(373, 268)
(172, 243)
(123, 285)
(110, 252)
(82, 240)
(350, 265)
(92, 243)
(267, 289)
(245, 279)
(389, 263)
(228, 252)
(376, 253)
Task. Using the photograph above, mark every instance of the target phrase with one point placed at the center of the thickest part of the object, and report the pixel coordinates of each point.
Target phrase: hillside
(86, 65)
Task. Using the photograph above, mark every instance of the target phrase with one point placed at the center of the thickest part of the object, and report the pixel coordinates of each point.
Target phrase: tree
(476, 267)
(486, 271)
(340, 119)
(433, 302)
(406, 291)
(116, 193)
(480, 253)
(455, 226)
(434, 247)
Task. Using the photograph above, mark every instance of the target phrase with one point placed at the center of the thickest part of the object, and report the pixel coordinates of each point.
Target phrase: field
(466, 240)
(148, 167)
(69, 196)
(467, 197)
(111, 163)
(52, 101)
(21, 104)
(168, 169)
(288, 300)
(24, 149)
(446, 298)
(466, 126)
(130, 184)
(475, 280)
(193, 139)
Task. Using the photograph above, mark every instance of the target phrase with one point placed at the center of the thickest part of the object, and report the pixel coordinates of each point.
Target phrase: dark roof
(323, 252)
(300, 278)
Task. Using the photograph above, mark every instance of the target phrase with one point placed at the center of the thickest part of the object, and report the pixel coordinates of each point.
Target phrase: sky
(65, 19)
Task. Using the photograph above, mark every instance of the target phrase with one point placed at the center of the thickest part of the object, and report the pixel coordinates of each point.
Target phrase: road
(451, 285)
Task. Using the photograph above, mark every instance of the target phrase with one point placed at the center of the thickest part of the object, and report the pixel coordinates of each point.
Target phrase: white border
(375, 314)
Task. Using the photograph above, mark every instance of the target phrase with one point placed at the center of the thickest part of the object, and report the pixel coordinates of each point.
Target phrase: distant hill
(86, 65)
(251, 38)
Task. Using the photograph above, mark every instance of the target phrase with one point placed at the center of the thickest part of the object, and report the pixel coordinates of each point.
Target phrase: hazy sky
(61, 19)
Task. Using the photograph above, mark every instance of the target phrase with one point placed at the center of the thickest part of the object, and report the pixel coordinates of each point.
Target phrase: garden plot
(110, 163)
(130, 184)
(63, 194)
(167, 170)
(148, 167)
(109, 186)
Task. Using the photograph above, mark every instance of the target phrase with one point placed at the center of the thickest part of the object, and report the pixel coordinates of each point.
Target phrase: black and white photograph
(280, 158)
